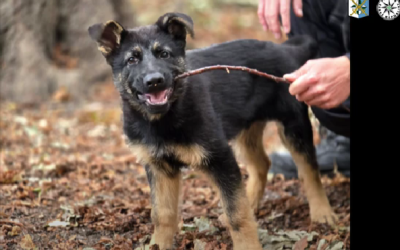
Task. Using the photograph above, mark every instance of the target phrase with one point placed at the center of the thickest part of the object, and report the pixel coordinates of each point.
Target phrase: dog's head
(145, 60)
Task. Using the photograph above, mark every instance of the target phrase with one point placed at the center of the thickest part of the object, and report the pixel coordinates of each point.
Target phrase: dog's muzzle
(157, 93)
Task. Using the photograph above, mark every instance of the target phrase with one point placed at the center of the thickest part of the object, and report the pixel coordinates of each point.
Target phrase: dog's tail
(303, 47)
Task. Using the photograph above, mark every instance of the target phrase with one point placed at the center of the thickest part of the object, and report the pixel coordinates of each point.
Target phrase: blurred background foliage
(215, 21)
(46, 53)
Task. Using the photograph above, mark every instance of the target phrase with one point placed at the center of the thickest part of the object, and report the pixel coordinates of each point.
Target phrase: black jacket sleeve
(339, 20)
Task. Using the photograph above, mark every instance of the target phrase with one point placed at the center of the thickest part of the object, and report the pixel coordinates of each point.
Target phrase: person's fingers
(261, 14)
(285, 14)
(292, 76)
(320, 101)
(311, 94)
(305, 69)
(329, 105)
(299, 72)
(298, 86)
(302, 83)
(271, 15)
(298, 7)
(329, 102)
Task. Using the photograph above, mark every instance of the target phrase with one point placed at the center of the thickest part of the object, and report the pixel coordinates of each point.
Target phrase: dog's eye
(133, 60)
(164, 54)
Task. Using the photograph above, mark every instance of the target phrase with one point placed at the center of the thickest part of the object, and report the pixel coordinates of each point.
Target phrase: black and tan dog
(189, 122)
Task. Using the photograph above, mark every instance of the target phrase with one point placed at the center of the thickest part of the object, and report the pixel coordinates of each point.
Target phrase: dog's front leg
(165, 189)
(238, 216)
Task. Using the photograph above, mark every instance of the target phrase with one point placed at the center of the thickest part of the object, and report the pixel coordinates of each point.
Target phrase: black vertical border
(375, 69)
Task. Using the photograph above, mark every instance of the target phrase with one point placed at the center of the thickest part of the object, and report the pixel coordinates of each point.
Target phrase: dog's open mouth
(156, 98)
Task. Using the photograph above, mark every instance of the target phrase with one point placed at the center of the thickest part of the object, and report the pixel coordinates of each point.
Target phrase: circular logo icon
(388, 9)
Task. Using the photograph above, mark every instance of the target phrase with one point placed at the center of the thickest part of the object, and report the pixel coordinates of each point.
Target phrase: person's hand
(324, 83)
(268, 13)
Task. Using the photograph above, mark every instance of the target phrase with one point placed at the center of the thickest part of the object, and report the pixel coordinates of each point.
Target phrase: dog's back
(240, 98)
(256, 54)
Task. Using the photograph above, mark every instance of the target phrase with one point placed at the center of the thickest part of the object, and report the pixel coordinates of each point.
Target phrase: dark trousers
(328, 23)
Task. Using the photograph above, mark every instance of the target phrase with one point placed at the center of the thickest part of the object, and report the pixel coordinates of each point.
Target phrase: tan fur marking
(116, 32)
(167, 48)
(320, 209)
(104, 50)
(248, 147)
(192, 155)
(153, 117)
(165, 20)
(140, 152)
(124, 83)
(187, 25)
(148, 155)
(164, 212)
(137, 48)
(156, 45)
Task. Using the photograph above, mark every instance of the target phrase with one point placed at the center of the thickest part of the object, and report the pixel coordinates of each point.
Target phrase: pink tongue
(157, 97)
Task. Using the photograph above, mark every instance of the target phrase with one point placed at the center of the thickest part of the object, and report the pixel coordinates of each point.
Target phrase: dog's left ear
(176, 24)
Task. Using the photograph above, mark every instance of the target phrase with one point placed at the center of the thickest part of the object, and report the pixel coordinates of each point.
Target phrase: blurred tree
(44, 45)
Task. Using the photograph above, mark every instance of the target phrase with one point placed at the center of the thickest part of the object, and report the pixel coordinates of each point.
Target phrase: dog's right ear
(107, 35)
(176, 24)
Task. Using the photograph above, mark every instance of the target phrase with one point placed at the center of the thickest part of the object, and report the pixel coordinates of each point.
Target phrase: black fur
(211, 108)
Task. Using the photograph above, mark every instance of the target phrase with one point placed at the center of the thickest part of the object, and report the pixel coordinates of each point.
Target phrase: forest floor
(68, 181)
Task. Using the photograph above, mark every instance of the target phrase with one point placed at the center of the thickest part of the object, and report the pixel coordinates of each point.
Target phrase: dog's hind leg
(165, 191)
(248, 146)
(296, 135)
(238, 216)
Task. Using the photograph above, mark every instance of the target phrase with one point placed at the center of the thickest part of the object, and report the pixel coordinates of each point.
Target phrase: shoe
(332, 148)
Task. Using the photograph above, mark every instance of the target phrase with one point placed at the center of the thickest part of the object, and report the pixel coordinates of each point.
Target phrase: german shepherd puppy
(171, 123)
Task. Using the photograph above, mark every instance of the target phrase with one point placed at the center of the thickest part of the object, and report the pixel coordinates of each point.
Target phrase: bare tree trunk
(44, 45)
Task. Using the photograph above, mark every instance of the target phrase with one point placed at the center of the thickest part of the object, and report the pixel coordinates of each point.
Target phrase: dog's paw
(160, 243)
(324, 215)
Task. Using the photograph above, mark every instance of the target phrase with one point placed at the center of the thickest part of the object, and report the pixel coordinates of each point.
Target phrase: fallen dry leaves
(301, 244)
(71, 183)
(27, 243)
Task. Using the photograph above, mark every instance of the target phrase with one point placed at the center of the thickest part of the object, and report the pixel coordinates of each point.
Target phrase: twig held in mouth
(242, 68)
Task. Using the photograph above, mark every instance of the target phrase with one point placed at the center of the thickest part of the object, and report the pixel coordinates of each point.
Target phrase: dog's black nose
(153, 79)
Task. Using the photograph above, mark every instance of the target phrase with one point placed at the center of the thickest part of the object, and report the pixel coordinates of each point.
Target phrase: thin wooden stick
(227, 68)
(242, 68)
